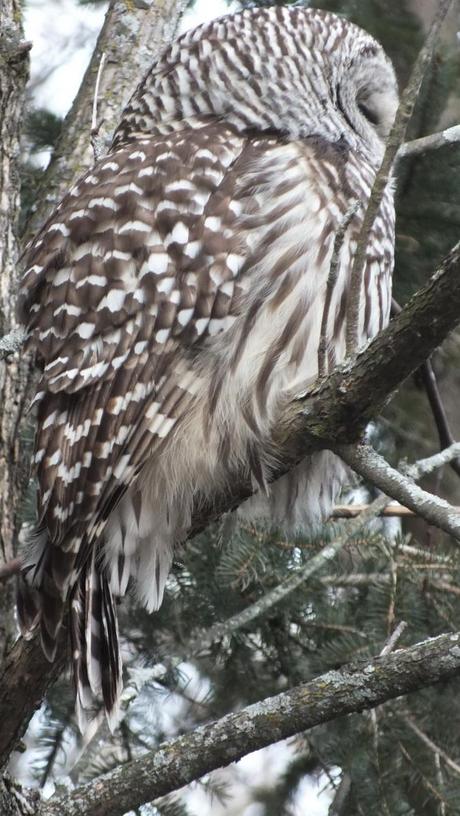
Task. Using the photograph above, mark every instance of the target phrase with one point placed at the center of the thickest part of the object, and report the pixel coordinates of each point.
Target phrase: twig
(426, 466)
(393, 639)
(353, 510)
(339, 802)
(426, 782)
(352, 210)
(390, 511)
(368, 463)
(444, 586)
(416, 147)
(394, 143)
(96, 142)
(440, 781)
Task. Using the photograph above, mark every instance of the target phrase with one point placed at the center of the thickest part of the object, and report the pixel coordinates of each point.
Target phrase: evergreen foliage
(341, 614)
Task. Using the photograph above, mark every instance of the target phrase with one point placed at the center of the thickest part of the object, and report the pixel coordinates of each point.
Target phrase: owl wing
(139, 262)
(142, 261)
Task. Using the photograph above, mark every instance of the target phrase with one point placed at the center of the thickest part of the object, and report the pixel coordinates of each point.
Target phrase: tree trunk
(14, 65)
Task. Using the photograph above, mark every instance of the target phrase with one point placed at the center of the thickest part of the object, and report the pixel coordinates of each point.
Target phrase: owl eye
(369, 114)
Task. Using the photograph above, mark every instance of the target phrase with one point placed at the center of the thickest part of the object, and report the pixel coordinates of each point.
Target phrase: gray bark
(356, 687)
(13, 77)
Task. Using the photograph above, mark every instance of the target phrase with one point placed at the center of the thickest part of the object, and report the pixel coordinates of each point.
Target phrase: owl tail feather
(41, 598)
(97, 667)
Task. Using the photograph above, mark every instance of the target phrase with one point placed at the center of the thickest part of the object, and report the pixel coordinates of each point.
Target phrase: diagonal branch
(355, 687)
(368, 463)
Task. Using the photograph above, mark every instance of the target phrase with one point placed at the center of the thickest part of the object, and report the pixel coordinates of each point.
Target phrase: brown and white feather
(174, 301)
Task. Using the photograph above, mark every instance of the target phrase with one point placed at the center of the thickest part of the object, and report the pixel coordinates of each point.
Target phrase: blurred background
(375, 762)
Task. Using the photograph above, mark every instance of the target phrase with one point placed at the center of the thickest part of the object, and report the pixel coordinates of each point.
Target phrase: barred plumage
(175, 298)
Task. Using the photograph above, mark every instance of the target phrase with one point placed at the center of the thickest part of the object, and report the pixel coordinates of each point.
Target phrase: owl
(174, 303)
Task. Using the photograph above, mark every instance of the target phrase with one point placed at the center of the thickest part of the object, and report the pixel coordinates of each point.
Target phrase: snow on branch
(355, 687)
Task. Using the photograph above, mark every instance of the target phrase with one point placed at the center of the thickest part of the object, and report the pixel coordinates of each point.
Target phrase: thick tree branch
(14, 67)
(355, 687)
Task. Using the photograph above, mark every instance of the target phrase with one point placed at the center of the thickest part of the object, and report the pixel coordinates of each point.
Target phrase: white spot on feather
(113, 301)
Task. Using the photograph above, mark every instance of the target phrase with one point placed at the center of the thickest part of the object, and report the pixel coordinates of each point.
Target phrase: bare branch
(355, 687)
(368, 463)
(344, 511)
(416, 147)
(393, 639)
(338, 805)
(426, 466)
(395, 140)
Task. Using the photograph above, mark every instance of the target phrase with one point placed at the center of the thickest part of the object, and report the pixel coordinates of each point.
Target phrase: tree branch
(368, 463)
(434, 141)
(355, 687)
(132, 35)
(14, 69)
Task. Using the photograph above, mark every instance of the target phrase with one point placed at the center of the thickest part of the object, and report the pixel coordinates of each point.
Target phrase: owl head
(298, 72)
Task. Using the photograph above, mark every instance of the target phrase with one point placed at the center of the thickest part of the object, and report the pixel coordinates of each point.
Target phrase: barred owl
(174, 302)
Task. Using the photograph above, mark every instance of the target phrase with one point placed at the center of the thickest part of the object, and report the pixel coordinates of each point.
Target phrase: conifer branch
(203, 641)
(355, 687)
(454, 766)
